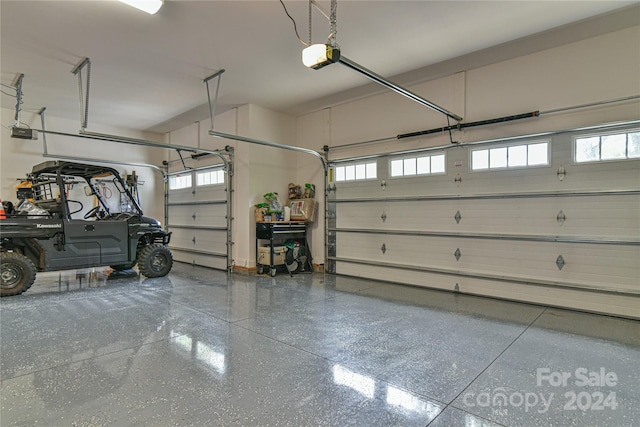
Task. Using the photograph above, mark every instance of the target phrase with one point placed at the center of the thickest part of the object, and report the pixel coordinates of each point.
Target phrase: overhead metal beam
(394, 87)
(135, 141)
(110, 162)
(271, 144)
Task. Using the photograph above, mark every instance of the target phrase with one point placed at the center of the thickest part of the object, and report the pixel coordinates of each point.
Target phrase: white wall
(597, 69)
(18, 156)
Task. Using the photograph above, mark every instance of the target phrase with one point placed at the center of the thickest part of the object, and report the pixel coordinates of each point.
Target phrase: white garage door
(551, 220)
(197, 208)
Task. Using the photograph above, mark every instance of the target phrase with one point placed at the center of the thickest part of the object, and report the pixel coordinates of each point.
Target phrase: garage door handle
(561, 217)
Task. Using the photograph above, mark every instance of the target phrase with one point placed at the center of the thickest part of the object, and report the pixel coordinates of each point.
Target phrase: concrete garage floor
(199, 348)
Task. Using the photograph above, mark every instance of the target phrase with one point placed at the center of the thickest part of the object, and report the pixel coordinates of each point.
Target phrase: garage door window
(424, 165)
(356, 172)
(210, 177)
(512, 156)
(177, 182)
(595, 148)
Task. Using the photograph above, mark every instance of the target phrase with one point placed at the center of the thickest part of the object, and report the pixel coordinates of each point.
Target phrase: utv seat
(53, 206)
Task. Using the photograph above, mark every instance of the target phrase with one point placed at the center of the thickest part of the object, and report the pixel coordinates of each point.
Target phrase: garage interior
(476, 247)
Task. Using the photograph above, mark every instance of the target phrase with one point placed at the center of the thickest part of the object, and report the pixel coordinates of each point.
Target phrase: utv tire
(155, 260)
(17, 272)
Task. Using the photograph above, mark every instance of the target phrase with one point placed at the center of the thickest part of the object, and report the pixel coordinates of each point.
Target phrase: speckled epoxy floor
(203, 349)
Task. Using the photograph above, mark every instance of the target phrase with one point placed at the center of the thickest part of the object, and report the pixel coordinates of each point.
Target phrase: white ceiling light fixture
(149, 6)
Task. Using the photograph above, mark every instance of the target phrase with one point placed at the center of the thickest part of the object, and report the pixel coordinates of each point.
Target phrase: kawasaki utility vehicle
(74, 216)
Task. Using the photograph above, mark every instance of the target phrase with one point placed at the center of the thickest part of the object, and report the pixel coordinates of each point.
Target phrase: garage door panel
(397, 249)
(211, 192)
(354, 190)
(619, 175)
(216, 262)
(623, 305)
(204, 215)
(199, 239)
(612, 217)
(494, 183)
(509, 181)
(395, 215)
(591, 265)
(564, 234)
(197, 217)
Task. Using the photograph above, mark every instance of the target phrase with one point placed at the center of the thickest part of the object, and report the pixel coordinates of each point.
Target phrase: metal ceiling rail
(394, 87)
(143, 142)
(271, 144)
(134, 141)
(111, 162)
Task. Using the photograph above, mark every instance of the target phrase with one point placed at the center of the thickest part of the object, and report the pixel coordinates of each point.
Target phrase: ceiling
(148, 70)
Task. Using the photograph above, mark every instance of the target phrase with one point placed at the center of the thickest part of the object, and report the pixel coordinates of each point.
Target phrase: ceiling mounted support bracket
(17, 84)
(83, 94)
(44, 135)
(182, 159)
(212, 106)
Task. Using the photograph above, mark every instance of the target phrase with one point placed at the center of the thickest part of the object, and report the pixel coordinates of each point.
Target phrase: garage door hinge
(193, 216)
(560, 262)
(383, 248)
(331, 188)
(458, 217)
(458, 180)
(458, 254)
(384, 216)
(383, 184)
(194, 240)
